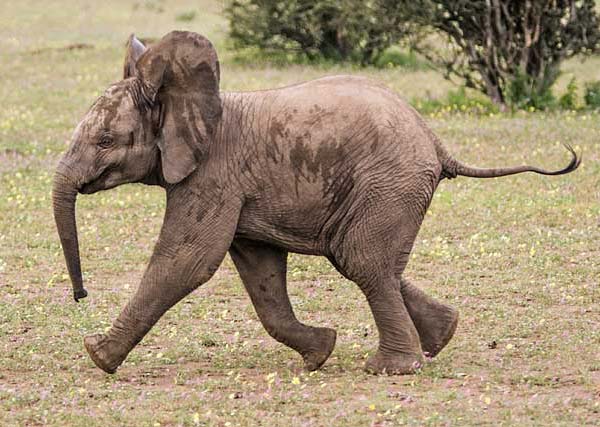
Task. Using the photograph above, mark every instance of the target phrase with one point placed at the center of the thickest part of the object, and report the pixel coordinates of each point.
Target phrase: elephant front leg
(189, 250)
(263, 272)
(156, 294)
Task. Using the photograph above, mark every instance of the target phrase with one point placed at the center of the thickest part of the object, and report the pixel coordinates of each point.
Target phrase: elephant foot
(439, 331)
(394, 364)
(106, 353)
(322, 346)
(435, 322)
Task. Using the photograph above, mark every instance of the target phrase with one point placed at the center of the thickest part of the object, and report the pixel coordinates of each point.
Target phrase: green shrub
(341, 30)
(456, 101)
(592, 95)
(496, 41)
(525, 93)
(569, 99)
(255, 57)
(186, 16)
(472, 102)
(395, 57)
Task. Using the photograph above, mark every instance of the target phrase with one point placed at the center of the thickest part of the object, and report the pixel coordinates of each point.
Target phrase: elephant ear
(180, 73)
(133, 51)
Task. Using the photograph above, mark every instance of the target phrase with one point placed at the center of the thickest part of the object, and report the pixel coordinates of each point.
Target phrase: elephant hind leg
(399, 350)
(435, 322)
(365, 252)
(263, 271)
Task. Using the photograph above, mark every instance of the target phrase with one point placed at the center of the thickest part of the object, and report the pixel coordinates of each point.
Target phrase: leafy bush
(456, 101)
(394, 57)
(592, 94)
(347, 30)
(186, 16)
(509, 50)
(506, 48)
(254, 57)
(569, 99)
(524, 94)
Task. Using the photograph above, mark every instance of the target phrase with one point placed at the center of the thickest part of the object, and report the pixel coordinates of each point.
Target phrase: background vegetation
(347, 30)
(518, 256)
(509, 50)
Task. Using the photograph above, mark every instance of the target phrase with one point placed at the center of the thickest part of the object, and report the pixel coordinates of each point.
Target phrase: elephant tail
(451, 168)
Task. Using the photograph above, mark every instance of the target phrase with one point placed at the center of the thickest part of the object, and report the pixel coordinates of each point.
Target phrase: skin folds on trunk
(64, 194)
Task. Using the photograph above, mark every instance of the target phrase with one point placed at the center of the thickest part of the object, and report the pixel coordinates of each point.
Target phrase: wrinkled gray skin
(339, 167)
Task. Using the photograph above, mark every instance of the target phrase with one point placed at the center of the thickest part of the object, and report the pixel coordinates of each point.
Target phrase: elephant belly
(287, 223)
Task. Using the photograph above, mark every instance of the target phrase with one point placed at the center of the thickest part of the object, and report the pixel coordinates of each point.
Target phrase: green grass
(519, 257)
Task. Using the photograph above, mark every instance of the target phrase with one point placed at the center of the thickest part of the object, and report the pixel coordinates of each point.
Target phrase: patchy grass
(519, 256)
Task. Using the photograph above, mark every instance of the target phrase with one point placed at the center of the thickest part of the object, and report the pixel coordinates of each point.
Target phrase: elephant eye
(105, 141)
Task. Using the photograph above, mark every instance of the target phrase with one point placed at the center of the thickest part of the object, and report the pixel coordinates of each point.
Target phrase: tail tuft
(574, 164)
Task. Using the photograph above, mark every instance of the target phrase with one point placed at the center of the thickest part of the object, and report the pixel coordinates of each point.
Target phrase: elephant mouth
(88, 188)
(98, 184)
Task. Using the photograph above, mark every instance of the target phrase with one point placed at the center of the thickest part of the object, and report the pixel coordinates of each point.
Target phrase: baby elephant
(340, 167)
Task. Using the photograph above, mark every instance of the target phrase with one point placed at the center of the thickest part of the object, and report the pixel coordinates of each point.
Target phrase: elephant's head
(153, 126)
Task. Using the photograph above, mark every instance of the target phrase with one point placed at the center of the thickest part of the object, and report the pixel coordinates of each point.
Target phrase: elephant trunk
(64, 194)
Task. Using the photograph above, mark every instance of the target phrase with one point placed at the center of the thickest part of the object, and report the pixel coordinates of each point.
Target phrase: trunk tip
(79, 294)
